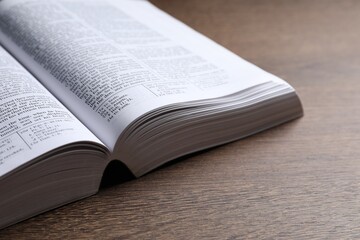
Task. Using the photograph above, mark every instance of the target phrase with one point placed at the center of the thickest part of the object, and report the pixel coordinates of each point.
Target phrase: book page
(32, 121)
(109, 62)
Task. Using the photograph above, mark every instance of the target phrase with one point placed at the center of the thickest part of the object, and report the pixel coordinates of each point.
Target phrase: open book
(86, 82)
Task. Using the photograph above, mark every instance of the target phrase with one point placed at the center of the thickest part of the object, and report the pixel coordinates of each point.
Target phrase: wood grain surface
(300, 180)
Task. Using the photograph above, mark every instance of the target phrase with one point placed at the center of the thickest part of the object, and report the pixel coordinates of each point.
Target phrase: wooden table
(299, 180)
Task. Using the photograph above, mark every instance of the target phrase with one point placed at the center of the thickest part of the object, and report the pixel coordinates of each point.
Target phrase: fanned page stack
(86, 82)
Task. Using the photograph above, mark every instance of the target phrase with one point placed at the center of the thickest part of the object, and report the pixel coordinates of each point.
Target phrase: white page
(32, 121)
(111, 61)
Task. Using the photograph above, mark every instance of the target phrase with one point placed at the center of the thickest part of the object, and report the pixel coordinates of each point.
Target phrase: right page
(111, 62)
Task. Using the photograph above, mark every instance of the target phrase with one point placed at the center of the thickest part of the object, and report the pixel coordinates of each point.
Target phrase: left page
(32, 121)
